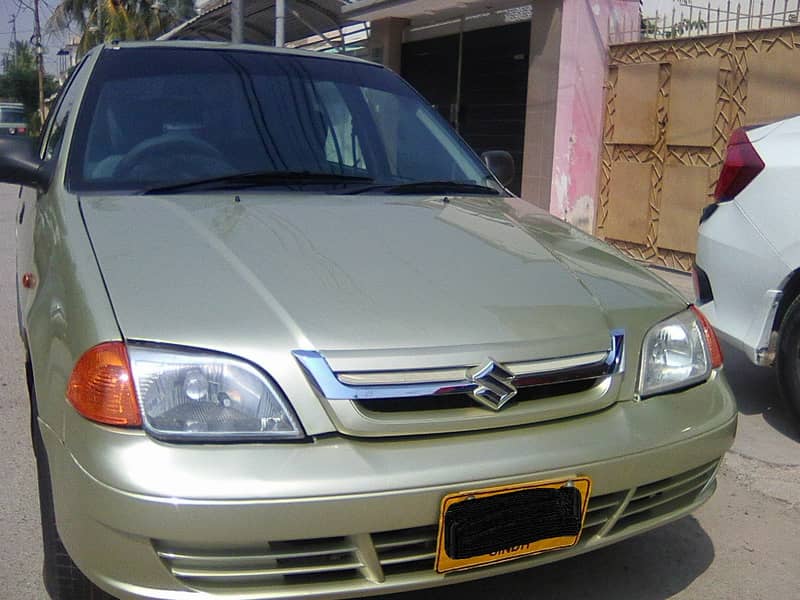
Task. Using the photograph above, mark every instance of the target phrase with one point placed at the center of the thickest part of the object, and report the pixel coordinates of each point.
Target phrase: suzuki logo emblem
(494, 385)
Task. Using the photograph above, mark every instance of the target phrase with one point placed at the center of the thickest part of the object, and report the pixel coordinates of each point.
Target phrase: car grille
(453, 401)
(298, 567)
(460, 398)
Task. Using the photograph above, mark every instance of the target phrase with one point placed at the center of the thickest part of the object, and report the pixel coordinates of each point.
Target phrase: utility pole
(237, 21)
(280, 23)
(12, 54)
(37, 37)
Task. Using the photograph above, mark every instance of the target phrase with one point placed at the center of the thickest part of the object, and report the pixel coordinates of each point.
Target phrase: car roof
(204, 45)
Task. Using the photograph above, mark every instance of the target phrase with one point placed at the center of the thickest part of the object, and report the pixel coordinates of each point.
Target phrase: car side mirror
(501, 164)
(20, 164)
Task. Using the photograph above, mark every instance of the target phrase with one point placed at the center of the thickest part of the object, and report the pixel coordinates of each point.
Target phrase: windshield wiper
(255, 179)
(428, 187)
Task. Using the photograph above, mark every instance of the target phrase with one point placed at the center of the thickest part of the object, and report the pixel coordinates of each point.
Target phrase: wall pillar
(581, 106)
(564, 127)
(386, 42)
(540, 118)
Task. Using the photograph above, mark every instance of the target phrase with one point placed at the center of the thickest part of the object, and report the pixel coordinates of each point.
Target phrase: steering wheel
(176, 155)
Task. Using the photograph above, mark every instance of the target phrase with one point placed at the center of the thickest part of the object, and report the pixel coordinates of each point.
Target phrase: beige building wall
(386, 42)
(671, 106)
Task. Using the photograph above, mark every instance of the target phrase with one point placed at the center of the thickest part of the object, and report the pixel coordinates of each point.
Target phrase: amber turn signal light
(101, 386)
(714, 349)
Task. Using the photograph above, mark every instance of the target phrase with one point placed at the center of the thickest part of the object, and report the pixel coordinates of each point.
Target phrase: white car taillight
(742, 165)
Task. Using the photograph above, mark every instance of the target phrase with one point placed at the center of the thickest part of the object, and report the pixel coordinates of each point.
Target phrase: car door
(32, 222)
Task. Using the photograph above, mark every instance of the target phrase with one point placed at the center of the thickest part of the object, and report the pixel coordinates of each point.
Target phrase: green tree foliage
(107, 20)
(19, 81)
(652, 29)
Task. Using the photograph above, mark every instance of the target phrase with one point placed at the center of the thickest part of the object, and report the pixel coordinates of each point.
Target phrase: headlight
(200, 396)
(677, 353)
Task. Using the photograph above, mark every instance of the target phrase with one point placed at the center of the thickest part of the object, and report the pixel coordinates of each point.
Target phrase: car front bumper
(343, 518)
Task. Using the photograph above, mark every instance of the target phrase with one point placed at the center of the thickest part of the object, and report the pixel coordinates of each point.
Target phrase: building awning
(304, 18)
(342, 25)
(372, 10)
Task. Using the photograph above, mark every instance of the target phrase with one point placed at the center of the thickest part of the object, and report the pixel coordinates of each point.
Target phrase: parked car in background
(12, 119)
(747, 275)
(315, 348)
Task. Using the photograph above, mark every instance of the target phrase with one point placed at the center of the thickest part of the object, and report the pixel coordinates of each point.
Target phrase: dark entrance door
(489, 111)
(431, 66)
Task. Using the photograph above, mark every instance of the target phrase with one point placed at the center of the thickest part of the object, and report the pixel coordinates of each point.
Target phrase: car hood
(397, 280)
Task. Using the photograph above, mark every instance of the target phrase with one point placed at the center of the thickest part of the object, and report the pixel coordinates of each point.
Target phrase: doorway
(478, 81)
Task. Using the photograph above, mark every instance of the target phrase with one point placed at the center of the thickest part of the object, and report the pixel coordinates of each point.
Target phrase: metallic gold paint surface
(373, 281)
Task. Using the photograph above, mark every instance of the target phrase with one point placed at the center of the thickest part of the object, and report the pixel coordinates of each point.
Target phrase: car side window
(54, 134)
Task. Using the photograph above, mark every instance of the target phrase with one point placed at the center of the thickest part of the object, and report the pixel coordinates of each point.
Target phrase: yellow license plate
(493, 525)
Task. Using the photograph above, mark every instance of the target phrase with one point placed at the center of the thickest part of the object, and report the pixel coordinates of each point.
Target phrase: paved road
(745, 543)
(20, 553)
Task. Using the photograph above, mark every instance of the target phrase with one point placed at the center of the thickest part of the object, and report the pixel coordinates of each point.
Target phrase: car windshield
(157, 118)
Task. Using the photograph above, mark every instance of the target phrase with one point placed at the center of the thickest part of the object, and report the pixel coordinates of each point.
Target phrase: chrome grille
(294, 568)
(374, 385)
(480, 395)
(463, 401)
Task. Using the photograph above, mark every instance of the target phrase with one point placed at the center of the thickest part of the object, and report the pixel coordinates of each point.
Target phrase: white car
(747, 275)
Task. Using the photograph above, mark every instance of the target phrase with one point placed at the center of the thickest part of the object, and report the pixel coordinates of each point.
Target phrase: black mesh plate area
(484, 525)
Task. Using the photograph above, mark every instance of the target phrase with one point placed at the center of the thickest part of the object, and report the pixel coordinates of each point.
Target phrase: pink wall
(581, 98)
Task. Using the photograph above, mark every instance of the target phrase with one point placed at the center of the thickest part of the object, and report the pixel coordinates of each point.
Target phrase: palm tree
(106, 20)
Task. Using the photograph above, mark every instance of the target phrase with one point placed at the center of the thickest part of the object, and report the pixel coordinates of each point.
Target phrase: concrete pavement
(745, 543)
(20, 544)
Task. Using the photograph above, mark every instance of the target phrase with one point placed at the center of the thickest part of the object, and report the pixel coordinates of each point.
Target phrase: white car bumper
(745, 274)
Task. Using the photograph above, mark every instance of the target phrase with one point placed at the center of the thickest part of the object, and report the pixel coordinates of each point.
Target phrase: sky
(52, 42)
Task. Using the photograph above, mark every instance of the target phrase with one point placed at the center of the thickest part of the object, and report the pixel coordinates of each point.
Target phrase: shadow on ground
(653, 566)
(756, 391)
